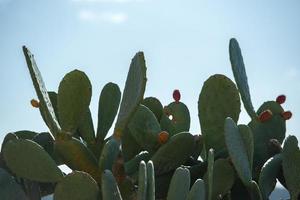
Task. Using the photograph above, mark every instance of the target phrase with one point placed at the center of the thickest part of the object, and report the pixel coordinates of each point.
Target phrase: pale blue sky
(184, 43)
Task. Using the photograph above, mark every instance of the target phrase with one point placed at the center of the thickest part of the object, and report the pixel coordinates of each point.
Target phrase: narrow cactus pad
(268, 175)
(154, 105)
(210, 173)
(291, 166)
(29, 160)
(73, 99)
(170, 156)
(109, 101)
(109, 187)
(240, 76)
(150, 181)
(145, 128)
(197, 191)
(247, 137)
(237, 151)
(133, 92)
(41, 91)
(142, 181)
(9, 189)
(218, 99)
(77, 186)
(180, 185)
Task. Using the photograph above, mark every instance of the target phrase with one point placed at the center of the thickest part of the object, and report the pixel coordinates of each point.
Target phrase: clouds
(106, 16)
(107, 1)
(110, 17)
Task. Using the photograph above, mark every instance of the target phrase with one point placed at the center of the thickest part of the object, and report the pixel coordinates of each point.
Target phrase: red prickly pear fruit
(281, 99)
(163, 137)
(35, 103)
(176, 95)
(265, 116)
(286, 115)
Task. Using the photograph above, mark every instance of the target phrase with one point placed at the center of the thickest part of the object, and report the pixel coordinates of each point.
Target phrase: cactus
(218, 99)
(151, 154)
(77, 185)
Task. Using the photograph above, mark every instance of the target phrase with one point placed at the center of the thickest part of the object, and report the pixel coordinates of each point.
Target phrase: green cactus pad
(73, 99)
(142, 181)
(263, 132)
(109, 154)
(145, 128)
(8, 137)
(180, 117)
(53, 98)
(150, 181)
(29, 160)
(170, 156)
(237, 151)
(223, 178)
(108, 107)
(133, 92)
(240, 76)
(255, 191)
(154, 105)
(86, 128)
(25, 134)
(180, 185)
(77, 186)
(167, 125)
(210, 173)
(247, 137)
(77, 156)
(291, 165)
(46, 141)
(42, 93)
(130, 148)
(132, 165)
(197, 191)
(9, 189)
(109, 187)
(268, 175)
(218, 99)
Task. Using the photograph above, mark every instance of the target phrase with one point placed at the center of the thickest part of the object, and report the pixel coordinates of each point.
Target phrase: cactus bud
(176, 96)
(281, 99)
(286, 115)
(35, 103)
(163, 137)
(265, 116)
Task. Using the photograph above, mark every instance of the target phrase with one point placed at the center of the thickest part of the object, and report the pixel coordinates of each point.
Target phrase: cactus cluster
(151, 153)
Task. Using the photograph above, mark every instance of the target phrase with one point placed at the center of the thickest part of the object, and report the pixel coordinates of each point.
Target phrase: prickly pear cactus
(151, 154)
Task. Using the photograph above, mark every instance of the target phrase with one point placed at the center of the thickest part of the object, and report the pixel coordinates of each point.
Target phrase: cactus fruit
(281, 99)
(34, 103)
(163, 137)
(286, 115)
(265, 116)
(176, 96)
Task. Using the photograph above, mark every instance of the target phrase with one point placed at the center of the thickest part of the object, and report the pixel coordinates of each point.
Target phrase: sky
(184, 43)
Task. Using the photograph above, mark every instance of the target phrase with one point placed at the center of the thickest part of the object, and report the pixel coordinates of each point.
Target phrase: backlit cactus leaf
(291, 166)
(41, 92)
(237, 151)
(109, 187)
(73, 99)
(29, 160)
(109, 101)
(77, 186)
(154, 105)
(180, 185)
(109, 154)
(150, 181)
(240, 76)
(197, 191)
(9, 189)
(133, 93)
(219, 98)
(142, 181)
